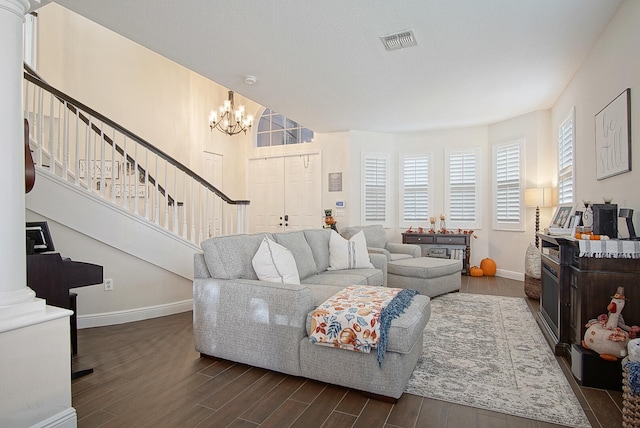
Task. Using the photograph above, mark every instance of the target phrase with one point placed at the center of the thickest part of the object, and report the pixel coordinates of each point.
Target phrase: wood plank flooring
(147, 374)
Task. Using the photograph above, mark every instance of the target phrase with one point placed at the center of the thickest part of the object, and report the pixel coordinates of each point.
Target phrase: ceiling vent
(404, 39)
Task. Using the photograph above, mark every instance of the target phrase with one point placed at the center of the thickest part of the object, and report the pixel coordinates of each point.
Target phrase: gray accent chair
(378, 243)
(406, 268)
(264, 324)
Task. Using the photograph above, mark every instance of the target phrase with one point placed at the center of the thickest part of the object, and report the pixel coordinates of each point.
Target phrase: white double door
(285, 193)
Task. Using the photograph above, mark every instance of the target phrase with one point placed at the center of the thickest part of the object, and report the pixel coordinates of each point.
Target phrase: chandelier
(232, 120)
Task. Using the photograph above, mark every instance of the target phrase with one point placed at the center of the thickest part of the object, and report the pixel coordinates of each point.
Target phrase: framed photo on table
(562, 217)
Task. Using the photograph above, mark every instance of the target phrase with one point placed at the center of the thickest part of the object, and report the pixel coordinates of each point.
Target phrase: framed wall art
(613, 137)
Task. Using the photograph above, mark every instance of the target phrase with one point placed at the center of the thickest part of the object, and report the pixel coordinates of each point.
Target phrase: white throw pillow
(275, 263)
(532, 262)
(351, 254)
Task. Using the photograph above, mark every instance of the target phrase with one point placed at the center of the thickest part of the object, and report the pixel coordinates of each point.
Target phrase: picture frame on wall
(613, 137)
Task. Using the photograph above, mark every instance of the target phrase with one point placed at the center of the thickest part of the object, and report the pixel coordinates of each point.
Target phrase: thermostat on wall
(339, 204)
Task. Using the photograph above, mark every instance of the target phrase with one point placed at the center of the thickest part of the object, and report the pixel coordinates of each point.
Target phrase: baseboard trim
(65, 419)
(518, 276)
(131, 315)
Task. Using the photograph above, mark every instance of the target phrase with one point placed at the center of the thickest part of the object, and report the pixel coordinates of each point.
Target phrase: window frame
(385, 158)
(451, 223)
(402, 223)
(565, 172)
(286, 130)
(497, 224)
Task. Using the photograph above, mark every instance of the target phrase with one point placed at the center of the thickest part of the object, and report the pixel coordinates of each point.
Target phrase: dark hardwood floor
(147, 374)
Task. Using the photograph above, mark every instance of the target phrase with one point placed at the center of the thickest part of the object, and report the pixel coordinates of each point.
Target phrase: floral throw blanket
(358, 318)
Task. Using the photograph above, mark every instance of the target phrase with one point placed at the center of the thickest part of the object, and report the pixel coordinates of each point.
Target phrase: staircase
(82, 148)
(106, 184)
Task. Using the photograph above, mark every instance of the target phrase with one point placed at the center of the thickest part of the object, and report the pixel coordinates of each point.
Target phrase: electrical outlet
(108, 284)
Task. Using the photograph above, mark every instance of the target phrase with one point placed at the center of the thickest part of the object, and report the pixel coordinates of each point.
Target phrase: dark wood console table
(450, 241)
(576, 289)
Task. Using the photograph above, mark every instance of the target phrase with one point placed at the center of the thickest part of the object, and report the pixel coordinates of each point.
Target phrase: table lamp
(538, 197)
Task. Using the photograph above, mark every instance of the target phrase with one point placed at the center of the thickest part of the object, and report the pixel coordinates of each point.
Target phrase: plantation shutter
(375, 168)
(463, 181)
(565, 160)
(415, 188)
(508, 183)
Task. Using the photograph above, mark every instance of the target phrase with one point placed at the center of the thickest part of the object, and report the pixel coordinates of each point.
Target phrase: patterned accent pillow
(348, 254)
(275, 263)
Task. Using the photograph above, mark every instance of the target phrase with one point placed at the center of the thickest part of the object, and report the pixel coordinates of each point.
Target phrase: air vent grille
(400, 40)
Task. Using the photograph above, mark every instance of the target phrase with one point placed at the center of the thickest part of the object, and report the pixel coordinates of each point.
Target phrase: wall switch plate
(108, 284)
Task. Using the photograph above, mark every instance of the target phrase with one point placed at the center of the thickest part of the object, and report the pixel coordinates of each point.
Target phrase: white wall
(612, 66)
(508, 248)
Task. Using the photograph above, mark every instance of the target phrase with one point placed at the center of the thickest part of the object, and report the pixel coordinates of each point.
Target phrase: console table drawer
(422, 239)
(454, 240)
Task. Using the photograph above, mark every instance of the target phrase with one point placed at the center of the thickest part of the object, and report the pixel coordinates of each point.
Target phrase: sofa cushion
(399, 256)
(373, 276)
(275, 263)
(229, 257)
(341, 277)
(297, 243)
(375, 235)
(347, 277)
(348, 254)
(424, 267)
(318, 240)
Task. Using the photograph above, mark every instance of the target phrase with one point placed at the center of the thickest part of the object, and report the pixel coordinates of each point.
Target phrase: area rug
(488, 352)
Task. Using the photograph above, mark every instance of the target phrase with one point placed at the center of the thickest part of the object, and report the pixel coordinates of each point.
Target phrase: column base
(35, 366)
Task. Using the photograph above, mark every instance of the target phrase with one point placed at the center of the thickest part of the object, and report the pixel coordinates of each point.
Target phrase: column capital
(19, 7)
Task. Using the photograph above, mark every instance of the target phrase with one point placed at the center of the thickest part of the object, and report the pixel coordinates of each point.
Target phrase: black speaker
(605, 220)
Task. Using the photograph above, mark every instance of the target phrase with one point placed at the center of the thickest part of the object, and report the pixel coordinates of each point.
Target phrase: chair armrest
(411, 249)
(200, 269)
(251, 322)
(379, 261)
(376, 250)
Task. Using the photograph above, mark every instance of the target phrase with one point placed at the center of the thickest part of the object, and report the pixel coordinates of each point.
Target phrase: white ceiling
(322, 62)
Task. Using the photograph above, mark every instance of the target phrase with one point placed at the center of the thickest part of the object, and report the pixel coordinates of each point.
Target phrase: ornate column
(35, 361)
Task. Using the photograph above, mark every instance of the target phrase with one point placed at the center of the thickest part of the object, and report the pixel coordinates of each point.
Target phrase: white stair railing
(83, 147)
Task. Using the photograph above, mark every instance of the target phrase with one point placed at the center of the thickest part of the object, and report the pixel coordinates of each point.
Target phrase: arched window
(275, 130)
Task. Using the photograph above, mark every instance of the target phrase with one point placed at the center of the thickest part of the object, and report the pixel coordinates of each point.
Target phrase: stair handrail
(70, 100)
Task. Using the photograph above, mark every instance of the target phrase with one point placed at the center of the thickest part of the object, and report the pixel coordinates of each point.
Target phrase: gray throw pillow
(298, 245)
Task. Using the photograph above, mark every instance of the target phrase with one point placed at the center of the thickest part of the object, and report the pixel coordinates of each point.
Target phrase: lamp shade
(538, 197)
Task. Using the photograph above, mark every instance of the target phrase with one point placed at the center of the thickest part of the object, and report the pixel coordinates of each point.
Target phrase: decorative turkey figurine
(605, 335)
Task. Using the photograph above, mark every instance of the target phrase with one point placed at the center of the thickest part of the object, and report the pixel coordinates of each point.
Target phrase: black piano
(51, 277)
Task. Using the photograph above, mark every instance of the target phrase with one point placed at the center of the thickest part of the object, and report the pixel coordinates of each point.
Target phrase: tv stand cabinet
(577, 289)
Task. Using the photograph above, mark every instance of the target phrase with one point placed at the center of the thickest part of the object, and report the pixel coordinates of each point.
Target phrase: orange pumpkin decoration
(475, 271)
(488, 266)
